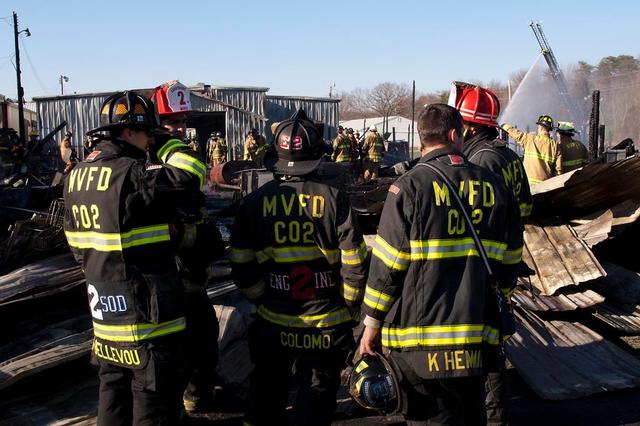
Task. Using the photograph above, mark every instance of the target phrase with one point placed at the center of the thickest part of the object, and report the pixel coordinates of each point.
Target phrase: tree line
(616, 77)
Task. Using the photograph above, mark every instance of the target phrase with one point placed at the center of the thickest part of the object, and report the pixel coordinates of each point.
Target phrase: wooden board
(566, 360)
(623, 318)
(45, 357)
(576, 299)
(42, 278)
(558, 257)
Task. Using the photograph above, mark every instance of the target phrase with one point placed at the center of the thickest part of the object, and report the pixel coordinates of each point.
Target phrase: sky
(299, 48)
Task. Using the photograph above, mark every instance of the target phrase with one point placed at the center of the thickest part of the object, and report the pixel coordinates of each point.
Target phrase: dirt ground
(70, 392)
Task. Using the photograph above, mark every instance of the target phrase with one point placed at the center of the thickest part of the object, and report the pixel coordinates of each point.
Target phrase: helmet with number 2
(172, 98)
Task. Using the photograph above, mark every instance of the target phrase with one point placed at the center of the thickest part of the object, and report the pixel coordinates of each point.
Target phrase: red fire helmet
(476, 104)
(172, 97)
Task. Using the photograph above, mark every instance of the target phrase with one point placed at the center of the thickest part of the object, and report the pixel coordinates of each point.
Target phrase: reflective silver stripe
(112, 241)
(378, 300)
(294, 254)
(454, 247)
(355, 256)
(137, 332)
(237, 255)
(169, 147)
(351, 293)
(329, 319)
(189, 164)
(512, 257)
(392, 257)
(525, 209)
(444, 335)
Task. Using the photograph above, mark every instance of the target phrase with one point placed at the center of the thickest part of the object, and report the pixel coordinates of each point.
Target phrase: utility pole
(16, 33)
(63, 79)
(413, 117)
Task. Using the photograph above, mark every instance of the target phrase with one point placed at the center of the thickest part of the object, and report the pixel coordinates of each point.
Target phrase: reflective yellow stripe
(255, 290)
(361, 366)
(441, 335)
(237, 255)
(393, 258)
(292, 254)
(533, 181)
(189, 164)
(377, 300)
(525, 209)
(539, 156)
(573, 162)
(138, 332)
(355, 256)
(111, 241)
(329, 319)
(512, 257)
(454, 247)
(169, 147)
(351, 293)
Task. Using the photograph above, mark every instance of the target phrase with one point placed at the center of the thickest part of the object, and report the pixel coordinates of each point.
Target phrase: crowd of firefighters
(429, 303)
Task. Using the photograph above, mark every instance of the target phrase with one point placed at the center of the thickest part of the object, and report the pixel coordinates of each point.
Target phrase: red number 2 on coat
(302, 288)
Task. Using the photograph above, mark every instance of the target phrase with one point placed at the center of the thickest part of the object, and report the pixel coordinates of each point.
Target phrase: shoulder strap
(465, 213)
(495, 151)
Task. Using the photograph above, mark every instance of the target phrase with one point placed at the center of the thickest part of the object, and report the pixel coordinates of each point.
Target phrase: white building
(401, 125)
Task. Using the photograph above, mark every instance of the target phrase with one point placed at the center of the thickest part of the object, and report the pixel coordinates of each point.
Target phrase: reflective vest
(574, 155)
(341, 149)
(542, 155)
(117, 224)
(374, 147)
(427, 285)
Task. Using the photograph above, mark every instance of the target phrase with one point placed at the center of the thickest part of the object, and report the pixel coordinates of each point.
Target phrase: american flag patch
(93, 155)
(394, 189)
(456, 160)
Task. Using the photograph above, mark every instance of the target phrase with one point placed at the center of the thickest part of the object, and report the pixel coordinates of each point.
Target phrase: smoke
(537, 94)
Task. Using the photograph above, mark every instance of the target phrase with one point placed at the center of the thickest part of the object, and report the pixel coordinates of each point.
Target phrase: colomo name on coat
(305, 341)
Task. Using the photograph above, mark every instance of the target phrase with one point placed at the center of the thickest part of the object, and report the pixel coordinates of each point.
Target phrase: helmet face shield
(374, 384)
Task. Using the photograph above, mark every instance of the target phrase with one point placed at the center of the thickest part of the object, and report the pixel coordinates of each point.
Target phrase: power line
(35, 73)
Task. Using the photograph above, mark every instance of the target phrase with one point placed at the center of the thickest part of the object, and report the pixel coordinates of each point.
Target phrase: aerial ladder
(572, 106)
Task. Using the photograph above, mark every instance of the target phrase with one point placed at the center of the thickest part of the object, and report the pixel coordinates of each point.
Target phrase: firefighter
(428, 297)
(68, 154)
(193, 143)
(298, 254)
(203, 245)
(34, 153)
(217, 149)
(341, 147)
(542, 155)
(372, 148)
(255, 147)
(118, 223)
(574, 153)
(480, 108)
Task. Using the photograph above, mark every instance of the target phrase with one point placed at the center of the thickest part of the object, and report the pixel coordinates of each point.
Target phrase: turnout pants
(371, 170)
(202, 344)
(315, 374)
(150, 395)
(496, 388)
(447, 401)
